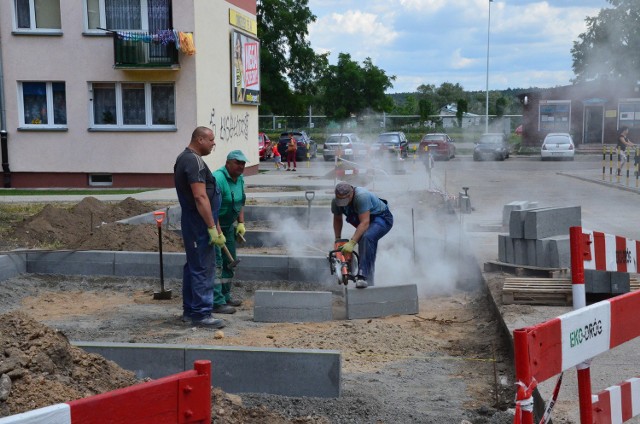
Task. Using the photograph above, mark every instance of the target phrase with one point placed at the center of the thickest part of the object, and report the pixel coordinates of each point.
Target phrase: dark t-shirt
(190, 168)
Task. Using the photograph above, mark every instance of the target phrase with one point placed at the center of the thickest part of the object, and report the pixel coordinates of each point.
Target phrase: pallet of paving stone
(542, 291)
(525, 270)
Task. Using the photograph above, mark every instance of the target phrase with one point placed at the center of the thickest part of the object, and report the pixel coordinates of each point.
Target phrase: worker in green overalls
(231, 183)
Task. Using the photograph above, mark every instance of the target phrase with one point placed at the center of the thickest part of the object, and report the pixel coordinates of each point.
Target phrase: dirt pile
(91, 225)
(38, 367)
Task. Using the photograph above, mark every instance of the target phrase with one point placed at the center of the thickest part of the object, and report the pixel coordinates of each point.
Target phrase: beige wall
(202, 84)
(236, 127)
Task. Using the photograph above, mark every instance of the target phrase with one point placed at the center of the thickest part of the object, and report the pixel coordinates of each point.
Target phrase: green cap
(237, 155)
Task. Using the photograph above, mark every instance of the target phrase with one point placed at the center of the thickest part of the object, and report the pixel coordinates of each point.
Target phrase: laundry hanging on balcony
(182, 40)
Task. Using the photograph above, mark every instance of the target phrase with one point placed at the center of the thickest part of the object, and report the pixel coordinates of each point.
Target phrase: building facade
(107, 92)
(592, 112)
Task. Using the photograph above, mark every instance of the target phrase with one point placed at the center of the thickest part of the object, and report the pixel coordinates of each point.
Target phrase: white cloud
(460, 62)
(435, 41)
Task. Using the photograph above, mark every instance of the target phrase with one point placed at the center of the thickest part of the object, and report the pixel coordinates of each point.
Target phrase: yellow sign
(243, 22)
(612, 113)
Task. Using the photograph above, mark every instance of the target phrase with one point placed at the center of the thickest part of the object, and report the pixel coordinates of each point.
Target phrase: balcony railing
(141, 50)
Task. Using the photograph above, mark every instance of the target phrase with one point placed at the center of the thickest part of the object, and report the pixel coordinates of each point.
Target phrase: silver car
(557, 146)
(347, 145)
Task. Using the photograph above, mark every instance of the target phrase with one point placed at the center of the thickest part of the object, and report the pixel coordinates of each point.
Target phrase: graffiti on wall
(229, 126)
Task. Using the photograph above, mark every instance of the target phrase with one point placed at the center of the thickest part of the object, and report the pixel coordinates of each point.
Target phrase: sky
(436, 41)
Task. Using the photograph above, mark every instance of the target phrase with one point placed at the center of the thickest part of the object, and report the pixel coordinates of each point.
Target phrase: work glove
(213, 233)
(240, 230)
(220, 240)
(348, 246)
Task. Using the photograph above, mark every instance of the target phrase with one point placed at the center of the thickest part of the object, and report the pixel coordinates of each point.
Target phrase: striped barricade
(572, 339)
(183, 398)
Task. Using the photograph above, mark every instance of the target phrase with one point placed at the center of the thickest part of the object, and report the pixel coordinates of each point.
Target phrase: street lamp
(486, 117)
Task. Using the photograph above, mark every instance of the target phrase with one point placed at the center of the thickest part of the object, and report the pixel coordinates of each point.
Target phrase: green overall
(233, 199)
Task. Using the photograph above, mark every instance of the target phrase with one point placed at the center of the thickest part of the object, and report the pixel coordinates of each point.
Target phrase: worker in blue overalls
(371, 217)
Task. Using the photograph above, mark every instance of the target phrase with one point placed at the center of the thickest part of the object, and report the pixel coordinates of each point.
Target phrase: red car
(264, 146)
(440, 145)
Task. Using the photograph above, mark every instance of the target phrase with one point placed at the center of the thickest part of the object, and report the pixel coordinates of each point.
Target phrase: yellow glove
(240, 230)
(220, 240)
(348, 246)
(213, 233)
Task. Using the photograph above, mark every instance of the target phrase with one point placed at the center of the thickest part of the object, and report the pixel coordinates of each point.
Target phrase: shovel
(162, 294)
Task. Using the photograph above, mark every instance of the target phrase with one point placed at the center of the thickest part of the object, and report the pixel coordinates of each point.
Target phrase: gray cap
(343, 192)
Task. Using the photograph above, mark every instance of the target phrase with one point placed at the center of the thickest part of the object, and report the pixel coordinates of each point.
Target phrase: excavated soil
(447, 364)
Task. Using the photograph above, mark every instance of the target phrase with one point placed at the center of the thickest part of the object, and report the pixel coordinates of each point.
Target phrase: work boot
(361, 283)
(209, 322)
(234, 302)
(223, 309)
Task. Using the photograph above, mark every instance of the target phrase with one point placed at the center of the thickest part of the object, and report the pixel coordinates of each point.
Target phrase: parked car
(440, 145)
(348, 144)
(392, 142)
(304, 142)
(491, 146)
(264, 146)
(557, 146)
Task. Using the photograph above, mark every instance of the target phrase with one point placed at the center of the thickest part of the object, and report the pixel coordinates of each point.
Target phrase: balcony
(142, 50)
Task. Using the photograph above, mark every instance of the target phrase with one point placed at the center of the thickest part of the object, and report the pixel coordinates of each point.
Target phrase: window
(133, 105)
(555, 115)
(37, 15)
(629, 113)
(143, 15)
(43, 104)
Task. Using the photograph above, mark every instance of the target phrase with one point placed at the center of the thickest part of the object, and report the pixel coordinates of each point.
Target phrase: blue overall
(198, 273)
(380, 223)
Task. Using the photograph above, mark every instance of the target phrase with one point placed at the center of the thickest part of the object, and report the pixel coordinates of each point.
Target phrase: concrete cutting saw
(343, 265)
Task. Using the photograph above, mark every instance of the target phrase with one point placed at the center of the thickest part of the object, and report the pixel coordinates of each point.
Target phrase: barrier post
(618, 166)
(610, 164)
(604, 159)
(577, 246)
(524, 379)
(628, 156)
(636, 163)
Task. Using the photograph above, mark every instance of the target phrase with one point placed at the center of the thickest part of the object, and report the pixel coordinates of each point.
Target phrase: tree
(610, 48)
(501, 106)
(288, 64)
(350, 89)
(461, 109)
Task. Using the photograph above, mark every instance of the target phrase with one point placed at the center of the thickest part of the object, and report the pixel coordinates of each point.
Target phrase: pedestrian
(428, 162)
(623, 144)
(231, 183)
(277, 158)
(292, 148)
(371, 217)
(199, 199)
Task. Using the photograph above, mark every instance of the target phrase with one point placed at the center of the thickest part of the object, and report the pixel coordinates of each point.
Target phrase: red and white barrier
(608, 252)
(572, 339)
(183, 398)
(619, 403)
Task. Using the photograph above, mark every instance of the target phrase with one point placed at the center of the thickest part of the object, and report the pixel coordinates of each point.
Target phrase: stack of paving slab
(537, 236)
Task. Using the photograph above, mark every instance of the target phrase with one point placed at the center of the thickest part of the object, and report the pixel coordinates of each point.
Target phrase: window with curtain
(133, 105)
(36, 15)
(144, 15)
(43, 104)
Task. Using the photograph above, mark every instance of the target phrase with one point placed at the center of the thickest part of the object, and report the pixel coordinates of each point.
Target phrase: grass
(41, 192)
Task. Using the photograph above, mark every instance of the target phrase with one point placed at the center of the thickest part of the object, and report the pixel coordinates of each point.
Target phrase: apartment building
(107, 92)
